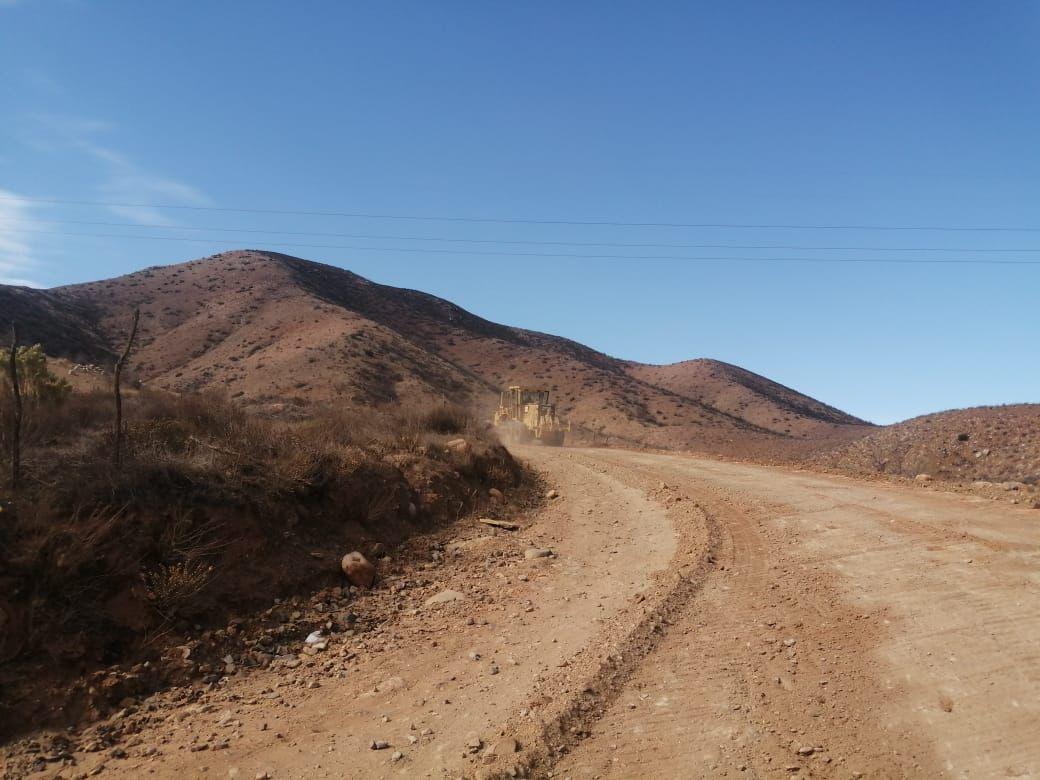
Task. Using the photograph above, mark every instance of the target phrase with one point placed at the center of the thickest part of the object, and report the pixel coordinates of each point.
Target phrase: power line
(421, 250)
(516, 221)
(522, 242)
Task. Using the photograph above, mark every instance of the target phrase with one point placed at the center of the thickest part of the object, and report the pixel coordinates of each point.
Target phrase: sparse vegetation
(214, 511)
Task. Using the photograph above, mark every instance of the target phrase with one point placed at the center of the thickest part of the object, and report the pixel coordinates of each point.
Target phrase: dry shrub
(205, 489)
(171, 587)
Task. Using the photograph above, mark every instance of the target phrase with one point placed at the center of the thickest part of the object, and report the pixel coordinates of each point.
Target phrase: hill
(987, 443)
(276, 332)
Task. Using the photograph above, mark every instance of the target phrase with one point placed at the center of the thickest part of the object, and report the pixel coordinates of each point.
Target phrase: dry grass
(214, 509)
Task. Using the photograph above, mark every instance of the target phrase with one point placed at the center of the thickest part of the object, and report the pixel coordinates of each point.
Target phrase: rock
(473, 742)
(378, 550)
(504, 747)
(531, 553)
(459, 446)
(397, 756)
(980, 484)
(359, 571)
(390, 684)
(413, 510)
(552, 494)
(495, 494)
(1012, 485)
(444, 597)
(923, 478)
(505, 524)
(379, 744)
(806, 750)
(474, 655)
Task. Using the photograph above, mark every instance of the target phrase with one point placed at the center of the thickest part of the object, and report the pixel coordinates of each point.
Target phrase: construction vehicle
(525, 414)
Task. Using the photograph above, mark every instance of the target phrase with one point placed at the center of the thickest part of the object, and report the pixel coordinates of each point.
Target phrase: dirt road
(694, 619)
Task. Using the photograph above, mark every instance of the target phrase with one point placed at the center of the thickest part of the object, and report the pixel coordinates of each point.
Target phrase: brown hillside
(272, 330)
(747, 395)
(44, 317)
(986, 443)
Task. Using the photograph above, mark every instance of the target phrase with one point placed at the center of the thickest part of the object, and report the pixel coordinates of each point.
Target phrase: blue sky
(747, 113)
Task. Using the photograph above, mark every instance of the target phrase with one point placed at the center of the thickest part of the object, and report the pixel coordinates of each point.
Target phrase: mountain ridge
(271, 329)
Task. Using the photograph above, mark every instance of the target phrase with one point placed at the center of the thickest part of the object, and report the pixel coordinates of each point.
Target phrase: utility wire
(522, 242)
(411, 250)
(515, 221)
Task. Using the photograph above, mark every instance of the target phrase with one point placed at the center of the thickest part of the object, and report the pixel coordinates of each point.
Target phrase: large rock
(358, 569)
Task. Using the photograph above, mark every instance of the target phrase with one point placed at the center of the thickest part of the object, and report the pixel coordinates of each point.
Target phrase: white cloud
(16, 255)
(122, 180)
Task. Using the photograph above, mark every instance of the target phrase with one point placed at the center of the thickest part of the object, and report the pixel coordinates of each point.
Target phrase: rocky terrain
(987, 448)
(653, 615)
(210, 514)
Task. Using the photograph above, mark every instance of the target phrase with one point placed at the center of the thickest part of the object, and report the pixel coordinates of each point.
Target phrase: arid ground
(735, 580)
(689, 618)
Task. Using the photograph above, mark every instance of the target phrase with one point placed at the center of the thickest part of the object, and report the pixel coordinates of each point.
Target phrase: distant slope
(989, 443)
(271, 329)
(739, 392)
(43, 317)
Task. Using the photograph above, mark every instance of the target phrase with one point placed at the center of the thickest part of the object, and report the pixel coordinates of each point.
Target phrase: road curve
(849, 629)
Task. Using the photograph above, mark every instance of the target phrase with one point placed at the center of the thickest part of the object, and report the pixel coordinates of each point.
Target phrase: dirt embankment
(212, 516)
(993, 450)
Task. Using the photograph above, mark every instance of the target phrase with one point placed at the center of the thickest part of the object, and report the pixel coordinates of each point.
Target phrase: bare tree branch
(16, 421)
(118, 452)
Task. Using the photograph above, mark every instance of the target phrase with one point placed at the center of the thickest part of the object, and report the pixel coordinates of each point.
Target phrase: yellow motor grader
(525, 414)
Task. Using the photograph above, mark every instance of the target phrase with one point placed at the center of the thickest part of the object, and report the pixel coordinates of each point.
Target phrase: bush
(35, 379)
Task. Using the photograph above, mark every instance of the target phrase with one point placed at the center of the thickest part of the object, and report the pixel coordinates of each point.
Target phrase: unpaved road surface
(695, 619)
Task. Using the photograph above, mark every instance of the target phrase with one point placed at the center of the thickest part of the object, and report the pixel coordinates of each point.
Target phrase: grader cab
(526, 415)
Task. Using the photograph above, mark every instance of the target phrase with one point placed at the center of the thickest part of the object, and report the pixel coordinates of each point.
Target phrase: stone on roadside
(359, 571)
(532, 553)
(552, 494)
(923, 478)
(494, 523)
(504, 747)
(390, 684)
(444, 597)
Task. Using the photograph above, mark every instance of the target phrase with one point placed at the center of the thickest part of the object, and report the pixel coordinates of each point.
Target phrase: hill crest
(271, 329)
